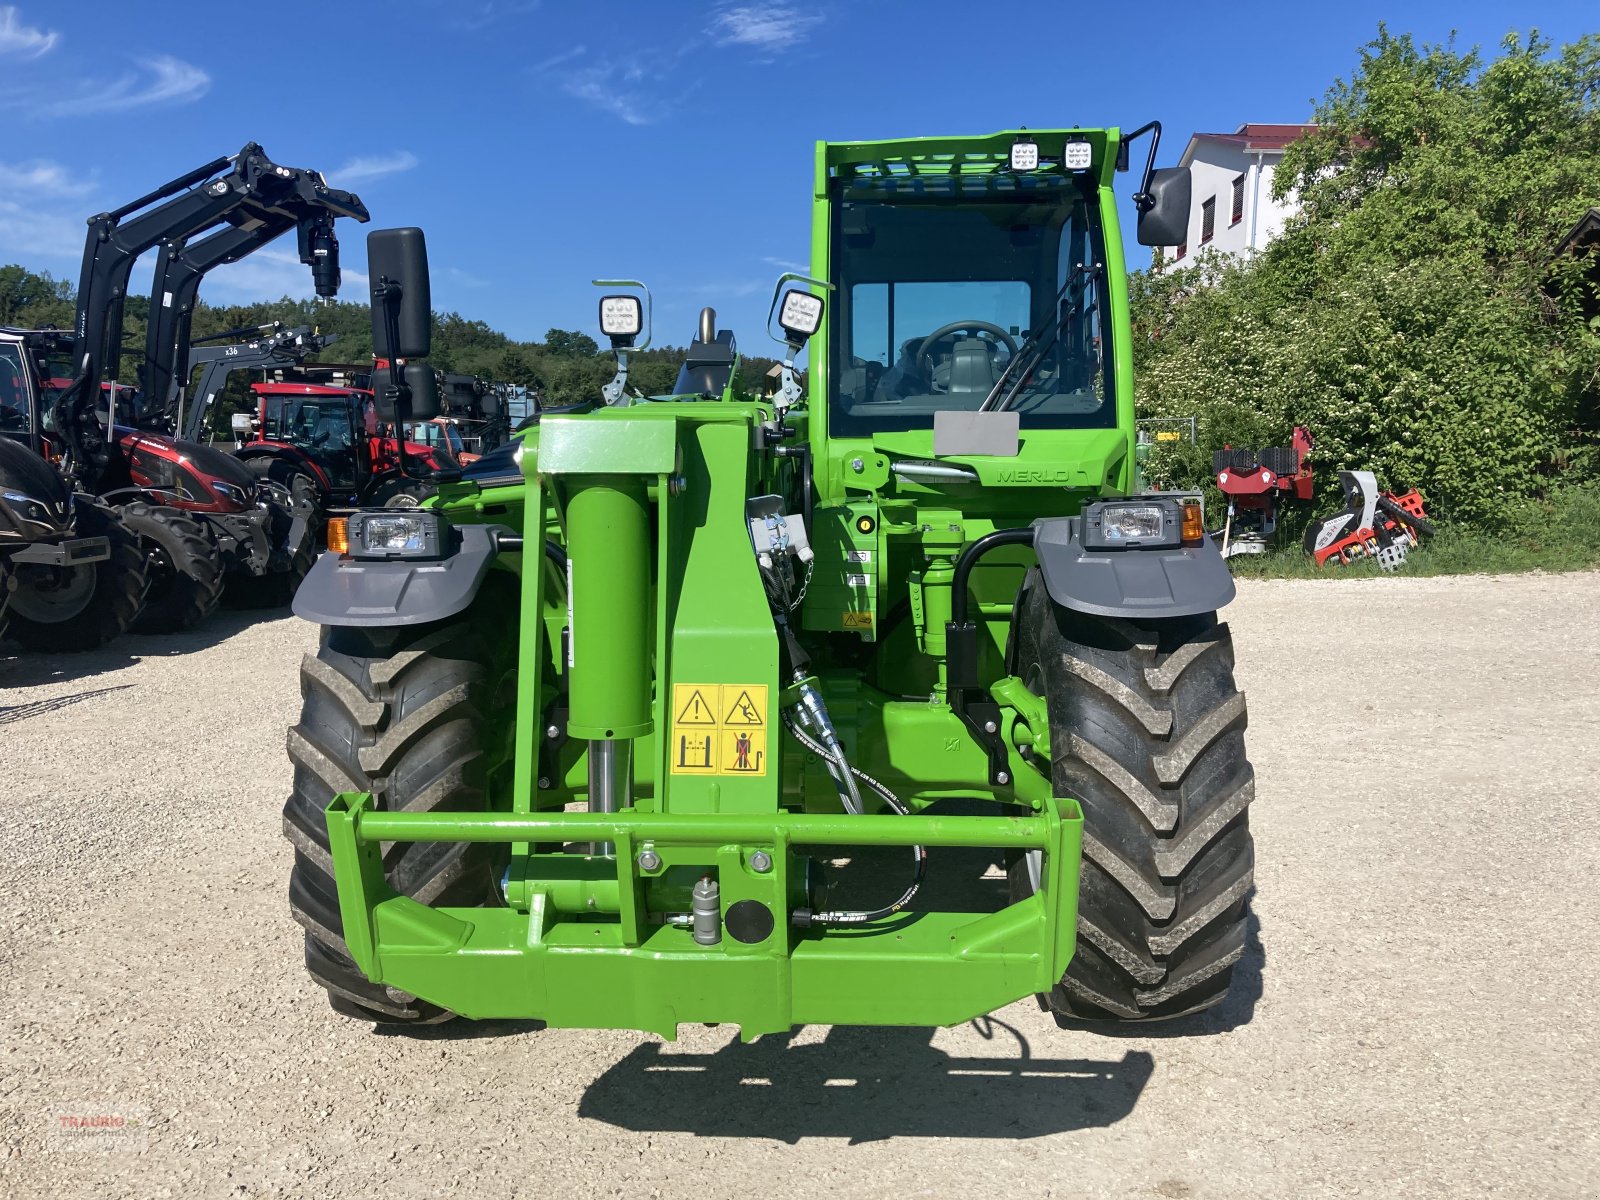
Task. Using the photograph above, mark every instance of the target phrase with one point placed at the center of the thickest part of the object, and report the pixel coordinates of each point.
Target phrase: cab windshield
(938, 296)
(435, 434)
(320, 423)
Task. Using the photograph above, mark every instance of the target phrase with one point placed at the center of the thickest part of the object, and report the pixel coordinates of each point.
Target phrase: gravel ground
(1414, 1018)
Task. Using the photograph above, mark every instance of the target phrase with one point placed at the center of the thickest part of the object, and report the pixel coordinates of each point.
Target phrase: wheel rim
(161, 575)
(52, 595)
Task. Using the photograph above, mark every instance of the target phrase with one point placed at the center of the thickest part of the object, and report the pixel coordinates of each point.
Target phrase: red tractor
(324, 443)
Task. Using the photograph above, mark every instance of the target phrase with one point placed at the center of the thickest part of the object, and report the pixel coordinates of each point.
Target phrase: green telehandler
(582, 731)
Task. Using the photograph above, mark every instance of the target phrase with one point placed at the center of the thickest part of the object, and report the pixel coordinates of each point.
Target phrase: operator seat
(972, 368)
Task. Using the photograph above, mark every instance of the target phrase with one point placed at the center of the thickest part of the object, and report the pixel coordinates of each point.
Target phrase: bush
(1406, 317)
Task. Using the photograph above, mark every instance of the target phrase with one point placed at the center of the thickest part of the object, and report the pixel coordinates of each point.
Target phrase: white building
(1233, 209)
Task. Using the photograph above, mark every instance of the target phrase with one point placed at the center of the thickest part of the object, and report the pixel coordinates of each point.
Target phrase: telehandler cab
(580, 734)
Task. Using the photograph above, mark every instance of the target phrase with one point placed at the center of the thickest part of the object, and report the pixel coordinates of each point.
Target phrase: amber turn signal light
(339, 534)
(1193, 527)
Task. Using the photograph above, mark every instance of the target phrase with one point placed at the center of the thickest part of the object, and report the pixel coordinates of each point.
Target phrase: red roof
(301, 389)
(1253, 136)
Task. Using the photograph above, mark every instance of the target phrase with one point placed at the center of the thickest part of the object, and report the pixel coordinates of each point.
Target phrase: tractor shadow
(12, 713)
(21, 668)
(864, 1084)
(461, 1030)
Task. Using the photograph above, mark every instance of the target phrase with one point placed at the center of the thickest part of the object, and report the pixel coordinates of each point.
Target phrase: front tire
(70, 609)
(1147, 733)
(404, 714)
(277, 588)
(401, 493)
(183, 564)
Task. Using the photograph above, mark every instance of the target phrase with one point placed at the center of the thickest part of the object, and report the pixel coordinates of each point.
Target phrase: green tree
(563, 342)
(1406, 315)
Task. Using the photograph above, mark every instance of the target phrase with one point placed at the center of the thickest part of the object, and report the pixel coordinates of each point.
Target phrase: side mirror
(1164, 207)
(424, 385)
(402, 302)
(243, 426)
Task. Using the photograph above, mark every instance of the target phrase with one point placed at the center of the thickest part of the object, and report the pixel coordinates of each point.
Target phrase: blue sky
(545, 144)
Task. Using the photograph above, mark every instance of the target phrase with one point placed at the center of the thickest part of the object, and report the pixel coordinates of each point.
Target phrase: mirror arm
(398, 393)
(789, 392)
(611, 393)
(1142, 199)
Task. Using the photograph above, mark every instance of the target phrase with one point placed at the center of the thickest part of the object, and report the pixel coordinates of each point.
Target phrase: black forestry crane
(181, 266)
(258, 200)
(275, 347)
(202, 518)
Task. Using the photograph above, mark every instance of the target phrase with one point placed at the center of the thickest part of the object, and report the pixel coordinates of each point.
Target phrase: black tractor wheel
(1147, 734)
(402, 493)
(403, 714)
(183, 564)
(68, 609)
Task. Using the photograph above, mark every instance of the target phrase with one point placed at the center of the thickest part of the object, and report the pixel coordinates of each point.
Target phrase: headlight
(396, 533)
(1123, 525)
(230, 491)
(26, 508)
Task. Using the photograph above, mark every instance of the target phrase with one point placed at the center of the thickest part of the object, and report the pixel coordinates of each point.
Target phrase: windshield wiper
(1033, 349)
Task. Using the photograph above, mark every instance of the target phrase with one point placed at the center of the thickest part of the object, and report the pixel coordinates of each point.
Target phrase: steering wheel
(923, 363)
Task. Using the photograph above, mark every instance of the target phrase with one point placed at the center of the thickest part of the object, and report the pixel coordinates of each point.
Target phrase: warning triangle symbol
(697, 711)
(743, 712)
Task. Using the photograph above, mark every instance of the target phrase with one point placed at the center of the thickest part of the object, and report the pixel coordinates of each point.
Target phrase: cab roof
(303, 389)
(959, 155)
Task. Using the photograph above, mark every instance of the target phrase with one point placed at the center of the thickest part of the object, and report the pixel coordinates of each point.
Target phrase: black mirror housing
(397, 263)
(424, 385)
(1164, 218)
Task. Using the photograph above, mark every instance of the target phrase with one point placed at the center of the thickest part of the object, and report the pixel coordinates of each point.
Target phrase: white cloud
(270, 274)
(555, 60)
(28, 233)
(466, 278)
(486, 12)
(23, 41)
(372, 166)
(160, 79)
(787, 264)
(40, 176)
(630, 91)
(41, 210)
(607, 89)
(770, 27)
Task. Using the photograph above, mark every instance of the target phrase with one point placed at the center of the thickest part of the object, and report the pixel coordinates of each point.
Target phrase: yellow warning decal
(692, 704)
(858, 620)
(692, 751)
(742, 752)
(745, 709)
(719, 729)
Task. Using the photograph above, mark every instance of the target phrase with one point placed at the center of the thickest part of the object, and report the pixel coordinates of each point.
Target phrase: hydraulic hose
(969, 559)
(1420, 524)
(814, 713)
(919, 853)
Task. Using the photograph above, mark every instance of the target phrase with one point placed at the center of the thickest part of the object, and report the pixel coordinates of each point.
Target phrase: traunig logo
(106, 1128)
